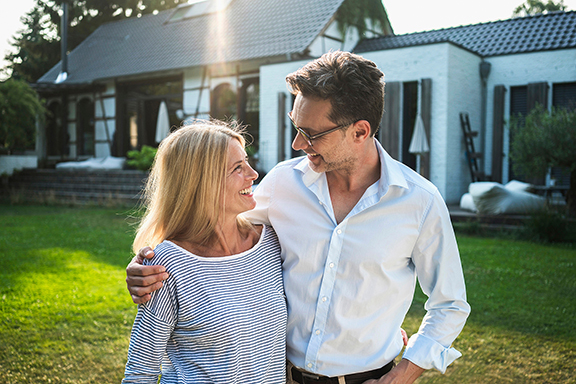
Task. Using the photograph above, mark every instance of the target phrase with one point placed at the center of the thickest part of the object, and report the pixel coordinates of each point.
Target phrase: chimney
(64, 45)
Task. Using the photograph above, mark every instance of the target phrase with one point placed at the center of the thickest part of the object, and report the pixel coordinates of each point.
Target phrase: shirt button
(339, 231)
(309, 365)
(331, 265)
(317, 331)
(324, 298)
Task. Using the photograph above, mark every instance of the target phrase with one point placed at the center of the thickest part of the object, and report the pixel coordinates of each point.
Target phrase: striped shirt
(215, 320)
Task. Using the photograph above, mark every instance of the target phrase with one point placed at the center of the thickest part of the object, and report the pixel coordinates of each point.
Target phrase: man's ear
(361, 131)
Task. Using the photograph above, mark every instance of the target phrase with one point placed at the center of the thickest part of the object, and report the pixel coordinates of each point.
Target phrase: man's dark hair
(353, 84)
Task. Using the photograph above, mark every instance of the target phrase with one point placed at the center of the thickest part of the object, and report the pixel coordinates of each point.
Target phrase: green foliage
(549, 226)
(35, 52)
(354, 13)
(546, 139)
(38, 44)
(142, 159)
(19, 109)
(534, 7)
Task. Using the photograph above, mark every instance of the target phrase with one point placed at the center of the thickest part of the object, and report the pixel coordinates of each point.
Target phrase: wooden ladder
(472, 156)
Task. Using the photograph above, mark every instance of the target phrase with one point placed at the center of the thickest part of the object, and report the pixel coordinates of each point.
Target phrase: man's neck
(347, 186)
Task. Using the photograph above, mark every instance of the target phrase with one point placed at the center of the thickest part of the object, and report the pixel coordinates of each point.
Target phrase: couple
(355, 227)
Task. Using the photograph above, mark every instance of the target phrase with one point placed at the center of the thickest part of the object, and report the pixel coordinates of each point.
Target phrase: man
(356, 228)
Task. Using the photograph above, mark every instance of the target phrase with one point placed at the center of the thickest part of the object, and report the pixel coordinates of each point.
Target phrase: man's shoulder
(288, 164)
(415, 180)
(285, 168)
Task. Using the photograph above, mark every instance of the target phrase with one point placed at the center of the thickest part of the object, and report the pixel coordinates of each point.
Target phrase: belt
(304, 377)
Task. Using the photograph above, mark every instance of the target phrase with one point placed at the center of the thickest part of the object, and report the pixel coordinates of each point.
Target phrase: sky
(406, 16)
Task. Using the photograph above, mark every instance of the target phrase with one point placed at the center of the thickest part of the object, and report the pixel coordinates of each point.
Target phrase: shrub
(549, 226)
(19, 109)
(142, 159)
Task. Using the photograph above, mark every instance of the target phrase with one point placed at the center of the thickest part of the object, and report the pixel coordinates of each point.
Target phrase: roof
(245, 29)
(554, 30)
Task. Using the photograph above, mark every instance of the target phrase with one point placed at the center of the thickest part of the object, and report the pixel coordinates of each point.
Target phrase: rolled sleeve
(427, 353)
(439, 272)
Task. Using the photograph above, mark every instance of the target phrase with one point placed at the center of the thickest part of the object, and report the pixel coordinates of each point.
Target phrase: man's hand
(142, 280)
(404, 336)
(406, 372)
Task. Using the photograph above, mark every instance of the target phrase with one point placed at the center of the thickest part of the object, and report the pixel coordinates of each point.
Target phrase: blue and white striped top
(216, 320)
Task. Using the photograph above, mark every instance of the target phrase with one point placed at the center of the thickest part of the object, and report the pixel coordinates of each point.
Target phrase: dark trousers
(297, 376)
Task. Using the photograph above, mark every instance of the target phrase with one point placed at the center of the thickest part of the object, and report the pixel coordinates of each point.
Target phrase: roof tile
(247, 29)
(554, 30)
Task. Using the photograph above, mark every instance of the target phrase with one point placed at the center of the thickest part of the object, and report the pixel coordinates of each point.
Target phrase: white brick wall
(455, 88)
(272, 82)
(521, 69)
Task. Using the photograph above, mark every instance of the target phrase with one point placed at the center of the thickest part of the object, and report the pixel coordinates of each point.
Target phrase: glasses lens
(300, 131)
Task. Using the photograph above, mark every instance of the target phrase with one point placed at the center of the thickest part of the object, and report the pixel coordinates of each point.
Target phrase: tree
(38, 44)
(19, 109)
(354, 13)
(534, 7)
(36, 53)
(546, 139)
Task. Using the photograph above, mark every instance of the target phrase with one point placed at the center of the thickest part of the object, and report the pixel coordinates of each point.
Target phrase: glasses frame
(309, 138)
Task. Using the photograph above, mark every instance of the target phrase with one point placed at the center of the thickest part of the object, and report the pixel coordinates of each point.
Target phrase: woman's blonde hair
(183, 194)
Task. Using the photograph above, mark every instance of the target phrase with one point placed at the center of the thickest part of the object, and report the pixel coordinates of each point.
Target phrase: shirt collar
(390, 171)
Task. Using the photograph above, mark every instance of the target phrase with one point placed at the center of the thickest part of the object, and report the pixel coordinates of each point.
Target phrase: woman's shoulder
(268, 238)
(165, 253)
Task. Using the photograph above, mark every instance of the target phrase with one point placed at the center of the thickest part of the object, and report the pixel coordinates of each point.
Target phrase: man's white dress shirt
(350, 285)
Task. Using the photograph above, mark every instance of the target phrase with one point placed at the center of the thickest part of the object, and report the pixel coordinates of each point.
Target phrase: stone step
(98, 186)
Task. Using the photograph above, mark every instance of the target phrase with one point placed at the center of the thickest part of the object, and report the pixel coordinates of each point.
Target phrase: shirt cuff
(427, 353)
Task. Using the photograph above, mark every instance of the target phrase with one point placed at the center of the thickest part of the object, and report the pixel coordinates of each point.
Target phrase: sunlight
(219, 29)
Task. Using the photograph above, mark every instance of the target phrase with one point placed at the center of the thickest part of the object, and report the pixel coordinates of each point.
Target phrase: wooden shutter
(498, 133)
(426, 112)
(390, 125)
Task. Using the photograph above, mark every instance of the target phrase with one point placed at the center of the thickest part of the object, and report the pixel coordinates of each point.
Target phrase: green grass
(65, 315)
(521, 329)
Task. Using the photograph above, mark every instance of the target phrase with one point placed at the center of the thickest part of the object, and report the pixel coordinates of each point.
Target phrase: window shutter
(390, 125)
(498, 133)
(426, 113)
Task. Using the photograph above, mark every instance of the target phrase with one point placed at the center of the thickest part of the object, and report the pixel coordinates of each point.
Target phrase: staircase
(101, 187)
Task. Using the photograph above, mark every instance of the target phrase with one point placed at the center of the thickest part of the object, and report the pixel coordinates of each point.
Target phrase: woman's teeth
(246, 191)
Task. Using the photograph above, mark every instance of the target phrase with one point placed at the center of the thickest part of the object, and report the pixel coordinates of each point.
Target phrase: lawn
(65, 315)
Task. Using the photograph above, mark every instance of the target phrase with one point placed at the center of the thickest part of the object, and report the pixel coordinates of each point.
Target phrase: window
(223, 102)
(85, 128)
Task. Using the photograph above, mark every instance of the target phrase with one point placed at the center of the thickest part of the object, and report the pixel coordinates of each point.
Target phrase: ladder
(472, 156)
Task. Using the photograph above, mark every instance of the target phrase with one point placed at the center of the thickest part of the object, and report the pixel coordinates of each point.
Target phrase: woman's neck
(228, 240)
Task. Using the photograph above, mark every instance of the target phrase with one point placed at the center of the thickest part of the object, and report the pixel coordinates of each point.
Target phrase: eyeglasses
(309, 138)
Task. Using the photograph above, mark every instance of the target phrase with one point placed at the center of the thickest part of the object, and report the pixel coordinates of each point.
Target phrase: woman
(221, 315)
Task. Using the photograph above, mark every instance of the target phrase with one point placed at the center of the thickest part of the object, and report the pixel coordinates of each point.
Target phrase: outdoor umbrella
(162, 123)
(419, 142)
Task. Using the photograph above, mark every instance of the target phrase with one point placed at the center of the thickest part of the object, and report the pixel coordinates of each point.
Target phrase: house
(491, 71)
(199, 60)
(232, 62)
